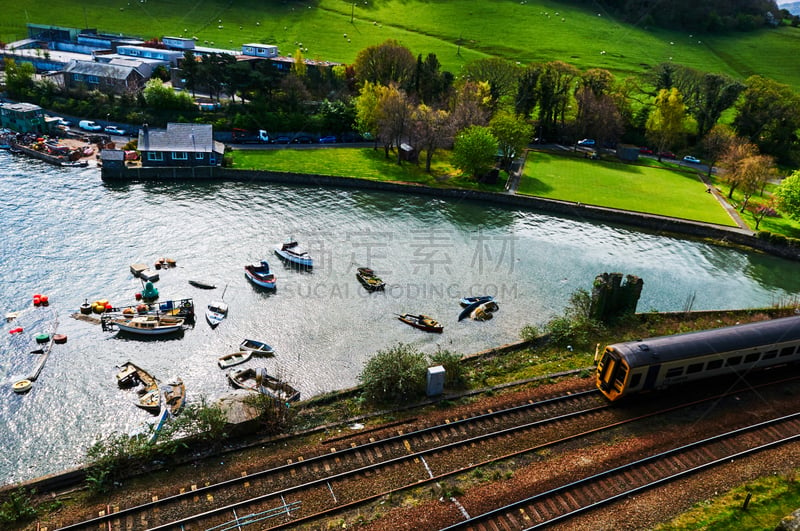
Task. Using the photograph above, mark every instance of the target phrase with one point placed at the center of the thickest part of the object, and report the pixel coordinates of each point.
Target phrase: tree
(788, 195)
(733, 160)
(471, 105)
(717, 93)
(431, 131)
(665, 123)
(767, 115)
(716, 143)
(527, 95)
(19, 78)
(474, 150)
(385, 63)
(162, 97)
(555, 91)
(598, 116)
(430, 83)
(513, 134)
(367, 108)
(191, 70)
(394, 119)
(501, 75)
(395, 375)
(756, 171)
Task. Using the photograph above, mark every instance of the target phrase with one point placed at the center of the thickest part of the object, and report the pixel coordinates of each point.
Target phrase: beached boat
(147, 325)
(466, 301)
(234, 358)
(260, 275)
(216, 311)
(423, 322)
(467, 311)
(484, 311)
(256, 347)
(174, 393)
(369, 279)
(259, 381)
(148, 395)
(291, 252)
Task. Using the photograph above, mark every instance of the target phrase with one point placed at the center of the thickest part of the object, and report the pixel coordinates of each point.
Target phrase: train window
(787, 351)
(733, 360)
(713, 364)
(635, 379)
(769, 355)
(694, 367)
(673, 372)
(752, 358)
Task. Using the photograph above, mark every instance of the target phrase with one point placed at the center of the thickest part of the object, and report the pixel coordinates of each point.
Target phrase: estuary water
(69, 236)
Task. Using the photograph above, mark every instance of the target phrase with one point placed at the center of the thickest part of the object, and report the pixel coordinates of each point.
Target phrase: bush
(455, 375)
(395, 375)
(17, 506)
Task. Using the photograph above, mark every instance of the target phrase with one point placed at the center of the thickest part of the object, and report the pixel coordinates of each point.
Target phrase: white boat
(256, 347)
(259, 381)
(216, 312)
(294, 254)
(235, 358)
(260, 275)
(148, 325)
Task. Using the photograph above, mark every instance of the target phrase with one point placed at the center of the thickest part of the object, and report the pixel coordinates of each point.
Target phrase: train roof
(704, 342)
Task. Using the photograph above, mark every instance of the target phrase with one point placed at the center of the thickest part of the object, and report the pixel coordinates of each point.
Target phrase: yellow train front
(657, 363)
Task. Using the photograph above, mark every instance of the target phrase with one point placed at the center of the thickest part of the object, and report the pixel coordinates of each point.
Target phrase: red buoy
(37, 300)
(138, 296)
(43, 300)
(16, 330)
(60, 338)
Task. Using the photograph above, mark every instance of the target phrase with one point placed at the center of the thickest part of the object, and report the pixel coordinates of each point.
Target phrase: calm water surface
(70, 237)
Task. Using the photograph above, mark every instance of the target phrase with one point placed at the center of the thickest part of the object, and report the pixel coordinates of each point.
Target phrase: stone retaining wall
(644, 222)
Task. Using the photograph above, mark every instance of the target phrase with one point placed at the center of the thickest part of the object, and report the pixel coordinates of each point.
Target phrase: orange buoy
(142, 308)
(60, 338)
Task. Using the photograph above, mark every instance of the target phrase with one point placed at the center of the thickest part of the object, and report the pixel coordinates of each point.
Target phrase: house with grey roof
(91, 75)
(181, 144)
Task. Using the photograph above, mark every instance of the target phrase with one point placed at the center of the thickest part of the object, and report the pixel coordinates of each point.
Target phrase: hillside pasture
(457, 32)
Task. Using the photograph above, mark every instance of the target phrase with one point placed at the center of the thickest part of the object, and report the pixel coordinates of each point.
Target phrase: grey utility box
(435, 381)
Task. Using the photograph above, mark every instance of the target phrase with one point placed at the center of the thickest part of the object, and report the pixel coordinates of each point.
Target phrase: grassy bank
(457, 32)
(654, 189)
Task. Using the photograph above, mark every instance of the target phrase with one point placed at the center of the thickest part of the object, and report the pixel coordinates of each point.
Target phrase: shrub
(529, 333)
(455, 375)
(394, 375)
(17, 506)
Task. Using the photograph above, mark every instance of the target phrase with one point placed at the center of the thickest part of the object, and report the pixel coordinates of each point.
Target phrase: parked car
(693, 160)
(667, 155)
(645, 150)
(586, 142)
(114, 130)
(327, 139)
(88, 125)
(64, 123)
(304, 139)
(280, 140)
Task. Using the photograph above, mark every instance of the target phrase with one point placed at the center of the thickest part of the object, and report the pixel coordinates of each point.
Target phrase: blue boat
(466, 301)
(291, 252)
(260, 275)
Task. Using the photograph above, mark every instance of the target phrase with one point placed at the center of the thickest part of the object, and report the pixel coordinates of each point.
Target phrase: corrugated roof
(91, 68)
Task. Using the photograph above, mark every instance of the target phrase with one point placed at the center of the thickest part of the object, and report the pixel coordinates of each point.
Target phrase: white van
(88, 125)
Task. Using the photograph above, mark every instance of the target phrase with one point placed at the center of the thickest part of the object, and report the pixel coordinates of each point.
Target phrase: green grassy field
(640, 188)
(456, 31)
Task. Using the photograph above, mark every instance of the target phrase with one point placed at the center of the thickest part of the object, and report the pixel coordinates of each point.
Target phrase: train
(656, 363)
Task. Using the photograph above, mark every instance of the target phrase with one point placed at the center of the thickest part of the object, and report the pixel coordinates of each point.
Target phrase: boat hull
(422, 322)
(229, 360)
(262, 280)
(257, 347)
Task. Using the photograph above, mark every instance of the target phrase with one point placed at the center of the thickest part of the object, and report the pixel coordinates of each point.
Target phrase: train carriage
(659, 362)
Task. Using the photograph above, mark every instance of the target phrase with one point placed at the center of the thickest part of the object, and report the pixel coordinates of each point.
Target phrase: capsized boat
(423, 322)
(202, 284)
(369, 279)
(260, 275)
(291, 252)
(259, 381)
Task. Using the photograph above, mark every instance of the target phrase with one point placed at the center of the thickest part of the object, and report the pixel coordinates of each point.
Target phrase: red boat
(260, 275)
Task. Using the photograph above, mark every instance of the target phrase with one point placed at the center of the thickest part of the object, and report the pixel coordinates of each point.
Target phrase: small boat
(259, 381)
(148, 396)
(260, 275)
(291, 252)
(174, 395)
(148, 325)
(467, 311)
(216, 312)
(369, 279)
(466, 301)
(423, 322)
(202, 284)
(256, 347)
(235, 358)
(484, 311)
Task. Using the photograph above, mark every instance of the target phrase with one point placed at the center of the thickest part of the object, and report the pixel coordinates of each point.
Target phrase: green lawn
(456, 32)
(610, 183)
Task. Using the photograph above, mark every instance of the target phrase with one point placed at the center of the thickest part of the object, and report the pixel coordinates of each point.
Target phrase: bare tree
(394, 119)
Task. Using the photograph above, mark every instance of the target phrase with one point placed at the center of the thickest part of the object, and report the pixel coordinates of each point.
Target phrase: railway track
(556, 505)
(363, 468)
